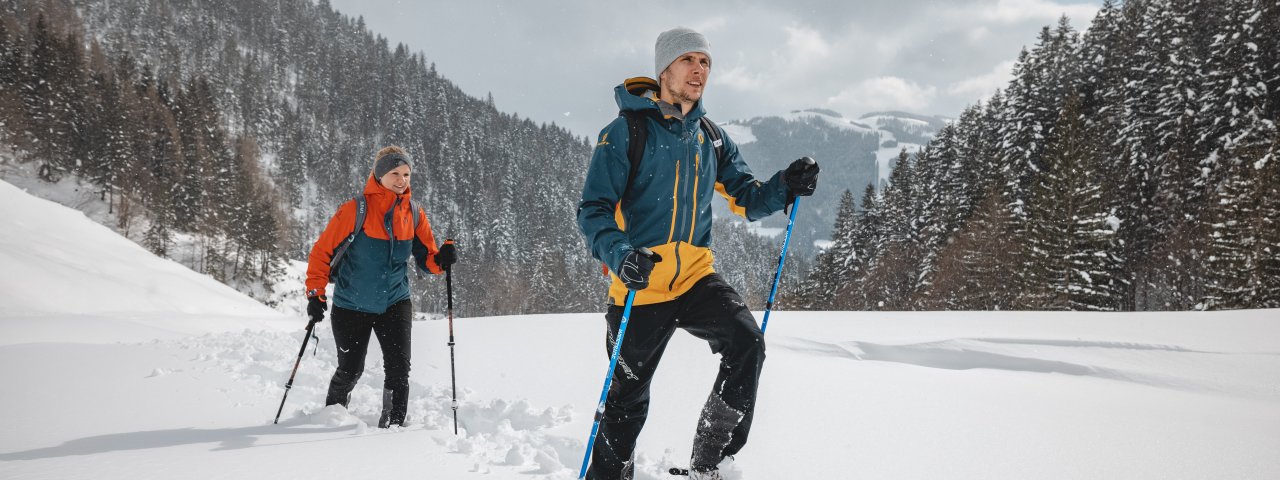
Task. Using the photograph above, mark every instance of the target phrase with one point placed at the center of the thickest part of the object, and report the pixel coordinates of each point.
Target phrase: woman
(371, 292)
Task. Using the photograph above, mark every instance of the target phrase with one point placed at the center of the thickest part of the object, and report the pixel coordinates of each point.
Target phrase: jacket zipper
(389, 223)
(697, 174)
(675, 204)
(687, 137)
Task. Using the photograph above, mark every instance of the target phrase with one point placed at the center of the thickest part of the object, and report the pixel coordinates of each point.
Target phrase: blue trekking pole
(608, 380)
(791, 222)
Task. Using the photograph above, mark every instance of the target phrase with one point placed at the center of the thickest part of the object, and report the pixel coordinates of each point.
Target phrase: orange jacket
(373, 273)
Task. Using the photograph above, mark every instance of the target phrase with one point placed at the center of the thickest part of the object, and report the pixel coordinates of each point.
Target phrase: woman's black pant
(711, 310)
(351, 331)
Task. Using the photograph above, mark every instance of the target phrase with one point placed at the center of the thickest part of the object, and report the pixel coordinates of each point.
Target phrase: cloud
(977, 35)
(806, 44)
(770, 57)
(884, 93)
(982, 86)
(710, 25)
(739, 78)
(1014, 11)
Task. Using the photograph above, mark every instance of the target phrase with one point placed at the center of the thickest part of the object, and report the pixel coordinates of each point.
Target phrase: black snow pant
(711, 311)
(351, 330)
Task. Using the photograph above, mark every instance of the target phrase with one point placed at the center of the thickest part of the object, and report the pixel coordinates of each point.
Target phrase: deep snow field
(116, 364)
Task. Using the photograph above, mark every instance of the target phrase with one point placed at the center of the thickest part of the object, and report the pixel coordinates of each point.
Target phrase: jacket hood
(641, 93)
(379, 194)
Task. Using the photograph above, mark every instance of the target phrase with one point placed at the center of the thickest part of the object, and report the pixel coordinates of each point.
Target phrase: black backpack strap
(637, 136)
(362, 207)
(717, 139)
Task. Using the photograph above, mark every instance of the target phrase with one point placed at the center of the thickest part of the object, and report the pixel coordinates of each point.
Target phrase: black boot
(395, 404)
(340, 388)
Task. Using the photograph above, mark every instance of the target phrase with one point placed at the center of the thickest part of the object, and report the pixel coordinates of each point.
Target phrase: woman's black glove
(317, 304)
(448, 255)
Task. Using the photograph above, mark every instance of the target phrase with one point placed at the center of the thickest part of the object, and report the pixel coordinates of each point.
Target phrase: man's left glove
(801, 177)
(317, 304)
(448, 255)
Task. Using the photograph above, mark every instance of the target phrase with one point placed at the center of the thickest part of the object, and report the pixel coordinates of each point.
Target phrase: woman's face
(397, 180)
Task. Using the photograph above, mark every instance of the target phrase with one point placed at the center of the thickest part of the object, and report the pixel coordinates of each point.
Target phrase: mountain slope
(70, 278)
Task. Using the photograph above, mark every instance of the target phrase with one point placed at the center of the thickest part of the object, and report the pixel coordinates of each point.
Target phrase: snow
(739, 133)
(886, 157)
(119, 365)
(91, 281)
(918, 124)
(834, 121)
(766, 232)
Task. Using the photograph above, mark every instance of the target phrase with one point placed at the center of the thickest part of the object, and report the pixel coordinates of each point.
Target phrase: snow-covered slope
(962, 395)
(67, 278)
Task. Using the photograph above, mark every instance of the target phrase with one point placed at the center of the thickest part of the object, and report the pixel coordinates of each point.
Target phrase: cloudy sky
(559, 61)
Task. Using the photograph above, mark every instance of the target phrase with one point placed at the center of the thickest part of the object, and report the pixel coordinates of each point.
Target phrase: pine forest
(1132, 166)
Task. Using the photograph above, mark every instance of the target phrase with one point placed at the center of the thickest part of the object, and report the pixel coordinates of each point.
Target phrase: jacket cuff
(619, 254)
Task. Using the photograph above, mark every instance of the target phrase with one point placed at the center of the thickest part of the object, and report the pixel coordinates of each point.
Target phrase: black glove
(801, 177)
(636, 267)
(317, 304)
(447, 256)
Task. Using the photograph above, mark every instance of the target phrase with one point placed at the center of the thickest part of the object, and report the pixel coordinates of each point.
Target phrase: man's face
(684, 80)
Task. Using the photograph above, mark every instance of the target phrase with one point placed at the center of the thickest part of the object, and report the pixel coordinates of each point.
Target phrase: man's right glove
(317, 304)
(801, 177)
(636, 267)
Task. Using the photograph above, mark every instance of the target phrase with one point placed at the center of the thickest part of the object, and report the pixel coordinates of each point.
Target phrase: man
(663, 204)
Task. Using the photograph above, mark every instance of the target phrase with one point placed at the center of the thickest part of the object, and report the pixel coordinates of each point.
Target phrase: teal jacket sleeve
(746, 195)
(603, 189)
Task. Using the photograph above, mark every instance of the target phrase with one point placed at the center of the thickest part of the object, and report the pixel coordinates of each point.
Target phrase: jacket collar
(381, 197)
(641, 93)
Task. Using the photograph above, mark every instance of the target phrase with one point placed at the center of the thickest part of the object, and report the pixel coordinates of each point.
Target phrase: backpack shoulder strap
(362, 207)
(413, 208)
(717, 139)
(637, 136)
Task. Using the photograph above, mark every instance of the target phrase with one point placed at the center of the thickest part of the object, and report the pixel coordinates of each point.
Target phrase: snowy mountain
(240, 126)
(852, 153)
(121, 365)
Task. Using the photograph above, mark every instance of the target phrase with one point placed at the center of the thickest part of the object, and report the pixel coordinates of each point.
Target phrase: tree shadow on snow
(227, 438)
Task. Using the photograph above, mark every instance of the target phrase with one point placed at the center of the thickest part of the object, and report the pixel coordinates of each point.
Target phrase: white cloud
(769, 57)
(884, 93)
(806, 44)
(979, 34)
(1013, 11)
(713, 24)
(738, 78)
(982, 86)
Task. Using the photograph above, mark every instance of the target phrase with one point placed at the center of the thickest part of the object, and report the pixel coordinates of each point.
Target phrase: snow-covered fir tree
(1131, 168)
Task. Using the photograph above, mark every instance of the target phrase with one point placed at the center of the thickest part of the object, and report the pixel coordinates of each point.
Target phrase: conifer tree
(1071, 225)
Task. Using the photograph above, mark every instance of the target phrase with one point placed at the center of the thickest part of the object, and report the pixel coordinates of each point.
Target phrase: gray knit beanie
(674, 43)
(389, 159)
